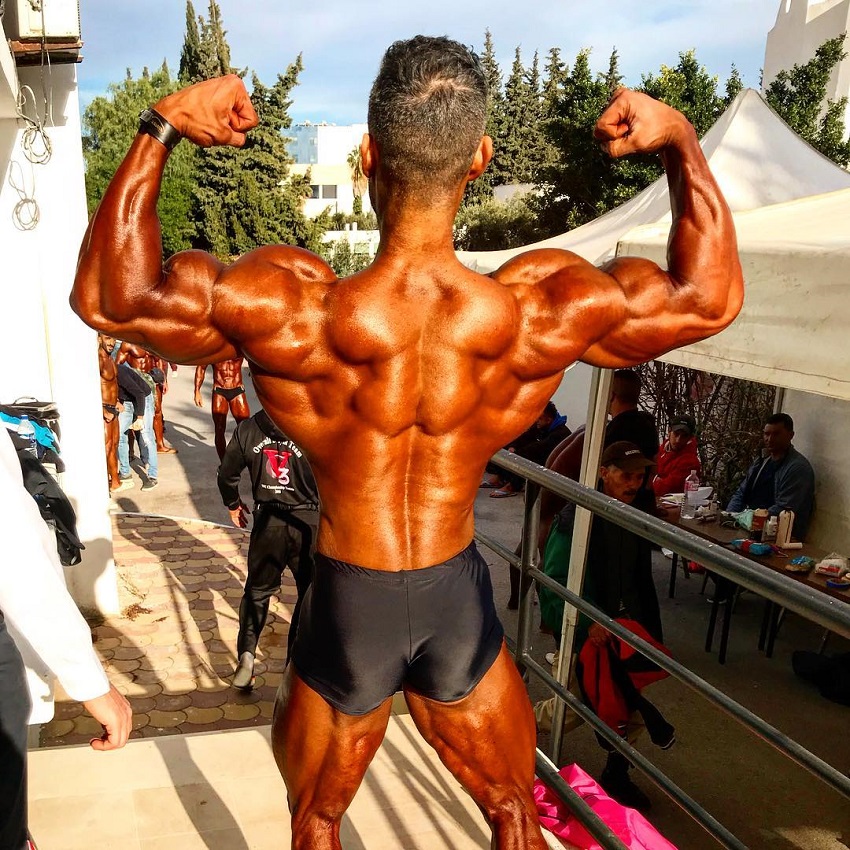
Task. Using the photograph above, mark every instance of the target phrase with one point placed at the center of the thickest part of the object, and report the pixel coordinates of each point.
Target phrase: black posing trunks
(229, 393)
(364, 633)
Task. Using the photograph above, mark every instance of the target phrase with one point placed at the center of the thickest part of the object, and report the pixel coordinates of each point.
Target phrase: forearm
(120, 263)
(200, 373)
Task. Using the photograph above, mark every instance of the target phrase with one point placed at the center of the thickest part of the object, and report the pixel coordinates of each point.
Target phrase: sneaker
(150, 484)
(125, 484)
(243, 678)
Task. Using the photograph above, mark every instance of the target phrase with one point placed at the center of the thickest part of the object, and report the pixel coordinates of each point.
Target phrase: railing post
(597, 418)
(530, 529)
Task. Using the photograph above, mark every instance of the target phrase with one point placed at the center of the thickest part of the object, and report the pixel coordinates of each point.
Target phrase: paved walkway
(172, 651)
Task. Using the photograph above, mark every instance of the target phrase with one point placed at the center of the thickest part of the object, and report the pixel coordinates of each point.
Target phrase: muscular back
(400, 392)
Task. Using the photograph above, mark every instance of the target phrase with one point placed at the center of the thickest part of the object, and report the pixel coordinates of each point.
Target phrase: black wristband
(155, 125)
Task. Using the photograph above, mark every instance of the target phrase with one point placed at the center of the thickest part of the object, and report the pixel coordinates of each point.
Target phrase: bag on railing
(630, 826)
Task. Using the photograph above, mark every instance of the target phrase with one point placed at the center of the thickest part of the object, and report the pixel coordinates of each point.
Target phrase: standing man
(781, 479)
(400, 383)
(136, 414)
(110, 405)
(39, 618)
(154, 370)
(677, 456)
(228, 394)
(286, 505)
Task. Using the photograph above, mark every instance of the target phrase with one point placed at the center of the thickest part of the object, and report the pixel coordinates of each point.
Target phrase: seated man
(535, 444)
(677, 456)
(781, 479)
(618, 580)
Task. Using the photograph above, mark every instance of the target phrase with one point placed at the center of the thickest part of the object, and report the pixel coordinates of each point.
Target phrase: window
(314, 192)
(329, 192)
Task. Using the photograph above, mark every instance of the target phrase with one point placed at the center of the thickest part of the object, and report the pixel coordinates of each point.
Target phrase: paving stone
(59, 728)
(123, 653)
(108, 642)
(134, 689)
(173, 702)
(140, 720)
(142, 704)
(66, 710)
(149, 677)
(232, 711)
(86, 725)
(166, 719)
(196, 714)
(121, 665)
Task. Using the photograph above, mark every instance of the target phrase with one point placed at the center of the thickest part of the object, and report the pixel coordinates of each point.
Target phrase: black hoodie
(278, 467)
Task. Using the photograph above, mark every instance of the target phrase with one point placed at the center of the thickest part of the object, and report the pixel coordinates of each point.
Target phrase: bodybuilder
(400, 382)
(109, 399)
(228, 394)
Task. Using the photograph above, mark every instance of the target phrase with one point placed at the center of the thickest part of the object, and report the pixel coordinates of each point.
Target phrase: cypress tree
(190, 55)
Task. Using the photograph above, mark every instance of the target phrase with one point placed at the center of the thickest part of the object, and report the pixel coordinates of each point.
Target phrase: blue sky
(342, 42)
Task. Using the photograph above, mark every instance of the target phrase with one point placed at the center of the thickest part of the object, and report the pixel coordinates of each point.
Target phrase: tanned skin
(109, 396)
(144, 360)
(228, 376)
(401, 382)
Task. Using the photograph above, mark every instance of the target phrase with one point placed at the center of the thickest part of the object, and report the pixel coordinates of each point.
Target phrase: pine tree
(799, 97)
(734, 85)
(555, 75)
(190, 55)
(517, 157)
(613, 77)
(215, 51)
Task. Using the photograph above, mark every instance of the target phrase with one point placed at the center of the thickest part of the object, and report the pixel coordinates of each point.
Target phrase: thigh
(487, 739)
(267, 550)
(239, 407)
(219, 406)
(322, 753)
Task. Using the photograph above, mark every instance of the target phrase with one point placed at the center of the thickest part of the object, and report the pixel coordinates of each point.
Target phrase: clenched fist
(213, 112)
(634, 122)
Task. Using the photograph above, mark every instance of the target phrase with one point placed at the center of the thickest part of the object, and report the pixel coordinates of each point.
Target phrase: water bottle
(689, 501)
(27, 433)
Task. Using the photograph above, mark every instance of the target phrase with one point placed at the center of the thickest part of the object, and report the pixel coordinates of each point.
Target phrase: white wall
(820, 433)
(47, 351)
(801, 27)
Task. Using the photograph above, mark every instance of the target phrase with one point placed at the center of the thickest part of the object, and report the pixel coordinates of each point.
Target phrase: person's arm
(233, 462)
(631, 310)
(200, 373)
(39, 609)
(738, 501)
(192, 309)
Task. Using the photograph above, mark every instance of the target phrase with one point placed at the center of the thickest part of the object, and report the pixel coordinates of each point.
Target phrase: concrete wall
(801, 27)
(47, 351)
(820, 433)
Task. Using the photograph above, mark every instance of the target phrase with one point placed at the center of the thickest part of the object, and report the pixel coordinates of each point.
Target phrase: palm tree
(358, 179)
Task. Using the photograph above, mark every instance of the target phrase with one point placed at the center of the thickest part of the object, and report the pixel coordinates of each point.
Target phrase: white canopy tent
(791, 333)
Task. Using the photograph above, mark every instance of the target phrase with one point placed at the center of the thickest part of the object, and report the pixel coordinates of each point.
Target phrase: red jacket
(675, 467)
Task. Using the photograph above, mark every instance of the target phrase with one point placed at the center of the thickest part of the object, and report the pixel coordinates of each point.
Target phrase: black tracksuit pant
(14, 712)
(280, 538)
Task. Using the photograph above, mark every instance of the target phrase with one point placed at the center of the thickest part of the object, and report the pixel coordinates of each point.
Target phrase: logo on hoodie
(277, 464)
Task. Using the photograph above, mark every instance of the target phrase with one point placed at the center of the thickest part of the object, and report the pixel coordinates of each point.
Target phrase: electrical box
(54, 20)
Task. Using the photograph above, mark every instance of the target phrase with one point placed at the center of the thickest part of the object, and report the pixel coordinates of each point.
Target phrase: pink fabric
(630, 826)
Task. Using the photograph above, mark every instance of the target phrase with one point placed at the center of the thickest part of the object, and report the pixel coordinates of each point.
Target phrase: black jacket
(278, 468)
(132, 388)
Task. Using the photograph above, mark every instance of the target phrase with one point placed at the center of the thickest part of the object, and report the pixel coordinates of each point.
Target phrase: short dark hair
(550, 410)
(780, 419)
(428, 111)
(626, 385)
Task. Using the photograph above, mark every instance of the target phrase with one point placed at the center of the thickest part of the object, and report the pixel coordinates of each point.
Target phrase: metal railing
(827, 611)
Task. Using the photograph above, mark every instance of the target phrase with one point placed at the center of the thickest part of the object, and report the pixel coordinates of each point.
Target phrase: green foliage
(492, 226)
(109, 125)
(190, 55)
(342, 259)
(338, 220)
(799, 97)
(247, 198)
(689, 88)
